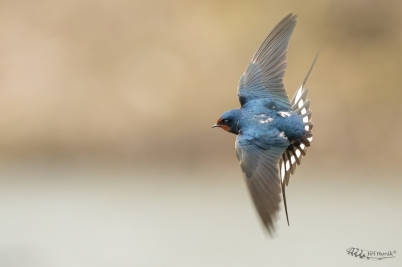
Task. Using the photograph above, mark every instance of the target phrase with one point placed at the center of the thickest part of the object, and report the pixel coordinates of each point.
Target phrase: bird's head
(229, 121)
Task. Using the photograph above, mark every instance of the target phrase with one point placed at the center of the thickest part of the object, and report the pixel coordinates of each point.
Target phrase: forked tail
(293, 155)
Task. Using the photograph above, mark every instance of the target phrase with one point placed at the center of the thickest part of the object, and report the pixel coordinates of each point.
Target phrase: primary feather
(263, 77)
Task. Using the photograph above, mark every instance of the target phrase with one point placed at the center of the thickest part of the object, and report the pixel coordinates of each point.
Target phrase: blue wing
(259, 163)
(263, 77)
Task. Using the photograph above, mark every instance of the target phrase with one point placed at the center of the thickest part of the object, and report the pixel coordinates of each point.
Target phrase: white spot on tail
(299, 93)
(303, 111)
(302, 146)
(283, 171)
(298, 153)
(300, 104)
(292, 159)
(287, 165)
(305, 119)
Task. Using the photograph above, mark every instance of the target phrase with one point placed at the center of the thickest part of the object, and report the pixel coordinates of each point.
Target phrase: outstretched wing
(263, 77)
(259, 163)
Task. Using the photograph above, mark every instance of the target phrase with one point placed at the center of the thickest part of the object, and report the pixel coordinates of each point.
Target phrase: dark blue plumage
(271, 130)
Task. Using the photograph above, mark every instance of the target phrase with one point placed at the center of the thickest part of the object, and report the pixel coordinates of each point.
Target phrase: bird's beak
(215, 125)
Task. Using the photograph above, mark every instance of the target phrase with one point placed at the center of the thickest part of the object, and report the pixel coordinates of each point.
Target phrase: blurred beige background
(107, 157)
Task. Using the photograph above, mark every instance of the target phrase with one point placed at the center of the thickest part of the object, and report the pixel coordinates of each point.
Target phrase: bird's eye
(225, 121)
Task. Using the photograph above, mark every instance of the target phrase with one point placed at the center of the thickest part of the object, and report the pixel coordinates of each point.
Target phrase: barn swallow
(272, 131)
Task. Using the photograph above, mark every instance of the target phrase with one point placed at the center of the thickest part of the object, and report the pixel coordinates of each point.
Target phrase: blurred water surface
(109, 216)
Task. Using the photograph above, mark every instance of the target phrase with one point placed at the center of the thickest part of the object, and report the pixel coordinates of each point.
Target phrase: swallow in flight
(272, 131)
